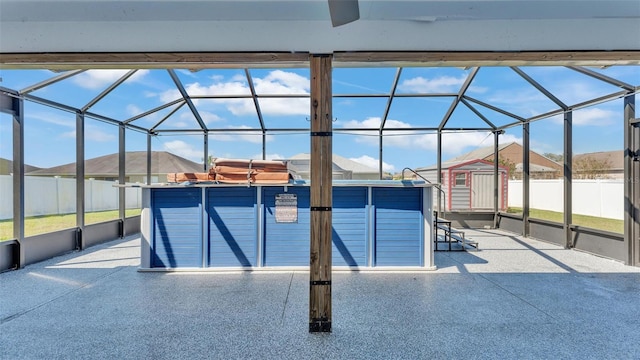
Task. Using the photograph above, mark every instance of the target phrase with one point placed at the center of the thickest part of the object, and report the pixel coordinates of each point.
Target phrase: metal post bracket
(321, 324)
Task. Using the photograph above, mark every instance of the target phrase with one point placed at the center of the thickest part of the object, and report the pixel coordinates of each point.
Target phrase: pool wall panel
(399, 233)
(232, 227)
(349, 232)
(177, 228)
(286, 244)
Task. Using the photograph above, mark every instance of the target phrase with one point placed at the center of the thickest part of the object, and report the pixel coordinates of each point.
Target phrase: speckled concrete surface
(516, 298)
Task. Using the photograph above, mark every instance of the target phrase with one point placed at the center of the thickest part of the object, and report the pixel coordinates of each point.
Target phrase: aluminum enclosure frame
(631, 168)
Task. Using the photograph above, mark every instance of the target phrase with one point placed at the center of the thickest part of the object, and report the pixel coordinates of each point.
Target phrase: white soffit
(35, 26)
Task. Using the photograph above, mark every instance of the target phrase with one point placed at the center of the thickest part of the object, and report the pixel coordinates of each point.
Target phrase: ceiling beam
(486, 58)
(155, 60)
(239, 60)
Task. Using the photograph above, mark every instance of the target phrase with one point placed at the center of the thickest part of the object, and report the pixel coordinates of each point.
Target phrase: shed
(468, 185)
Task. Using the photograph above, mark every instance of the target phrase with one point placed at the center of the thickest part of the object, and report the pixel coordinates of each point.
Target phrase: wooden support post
(321, 195)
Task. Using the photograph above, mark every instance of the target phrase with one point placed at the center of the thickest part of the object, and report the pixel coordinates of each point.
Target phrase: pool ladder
(437, 186)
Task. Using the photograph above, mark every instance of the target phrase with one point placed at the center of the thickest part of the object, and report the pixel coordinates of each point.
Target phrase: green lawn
(42, 224)
(593, 222)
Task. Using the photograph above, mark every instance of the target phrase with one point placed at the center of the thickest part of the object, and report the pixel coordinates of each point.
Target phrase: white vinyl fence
(601, 198)
(46, 196)
(49, 196)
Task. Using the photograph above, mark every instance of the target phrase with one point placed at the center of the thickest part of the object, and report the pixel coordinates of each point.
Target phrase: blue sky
(49, 133)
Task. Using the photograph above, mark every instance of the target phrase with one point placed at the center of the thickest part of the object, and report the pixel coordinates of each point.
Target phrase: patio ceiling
(141, 26)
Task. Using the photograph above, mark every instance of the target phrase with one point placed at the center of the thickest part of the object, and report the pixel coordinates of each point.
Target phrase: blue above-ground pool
(375, 224)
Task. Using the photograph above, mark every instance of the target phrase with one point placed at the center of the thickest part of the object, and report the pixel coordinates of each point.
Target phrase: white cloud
(187, 120)
(595, 117)
(92, 133)
(453, 142)
(269, 156)
(574, 92)
(69, 134)
(374, 163)
(133, 110)
(188, 73)
(442, 84)
(51, 118)
(282, 82)
(183, 149)
(527, 101)
(99, 136)
(457, 142)
(209, 117)
(254, 137)
(590, 117)
(96, 79)
(273, 106)
(276, 82)
(523, 102)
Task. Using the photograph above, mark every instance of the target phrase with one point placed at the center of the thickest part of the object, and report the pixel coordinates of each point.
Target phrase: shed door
(482, 191)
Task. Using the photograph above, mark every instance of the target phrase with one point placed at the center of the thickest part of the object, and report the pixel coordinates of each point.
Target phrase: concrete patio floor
(516, 298)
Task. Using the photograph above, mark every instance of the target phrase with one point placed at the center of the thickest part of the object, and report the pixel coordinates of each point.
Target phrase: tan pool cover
(238, 171)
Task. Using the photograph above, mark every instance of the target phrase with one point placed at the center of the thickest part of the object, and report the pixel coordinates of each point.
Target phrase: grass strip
(592, 222)
(47, 223)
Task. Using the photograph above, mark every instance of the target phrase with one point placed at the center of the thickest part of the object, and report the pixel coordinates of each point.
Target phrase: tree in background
(510, 165)
(589, 167)
(559, 158)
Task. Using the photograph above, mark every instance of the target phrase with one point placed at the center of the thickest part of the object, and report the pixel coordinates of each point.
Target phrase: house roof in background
(452, 164)
(480, 153)
(162, 162)
(341, 162)
(6, 167)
